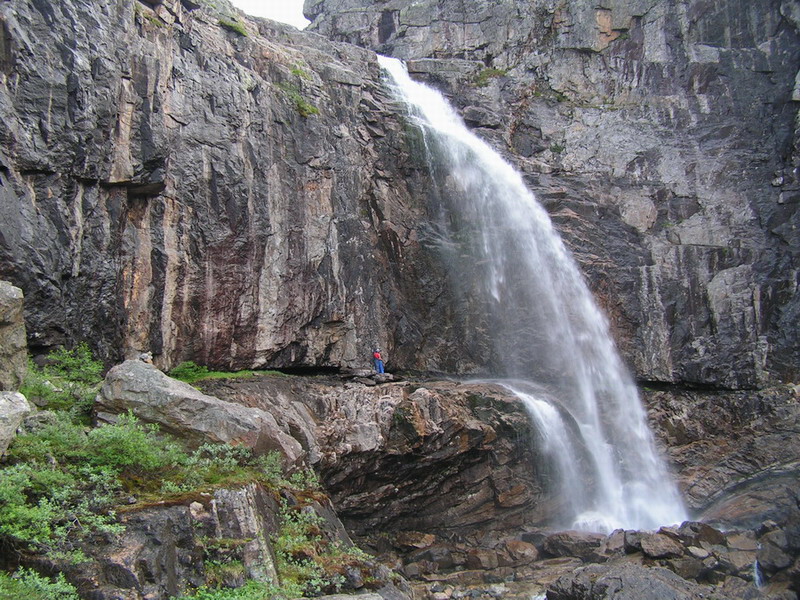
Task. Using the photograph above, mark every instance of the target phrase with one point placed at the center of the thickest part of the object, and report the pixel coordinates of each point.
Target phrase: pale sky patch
(285, 11)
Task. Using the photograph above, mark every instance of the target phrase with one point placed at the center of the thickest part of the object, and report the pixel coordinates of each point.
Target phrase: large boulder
(626, 582)
(433, 456)
(13, 347)
(14, 407)
(180, 409)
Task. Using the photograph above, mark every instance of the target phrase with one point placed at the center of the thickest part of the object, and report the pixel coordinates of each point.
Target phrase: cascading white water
(544, 323)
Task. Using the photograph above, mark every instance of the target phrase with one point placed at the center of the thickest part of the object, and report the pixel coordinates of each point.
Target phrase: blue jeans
(378, 365)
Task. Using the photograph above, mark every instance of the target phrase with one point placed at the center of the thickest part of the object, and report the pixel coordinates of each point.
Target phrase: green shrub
(224, 464)
(305, 480)
(233, 25)
(76, 365)
(482, 79)
(129, 444)
(62, 482)
(30, 585)
(307, 562)
(189, 372)
(252, 590)
(61, 440)
(69, 380)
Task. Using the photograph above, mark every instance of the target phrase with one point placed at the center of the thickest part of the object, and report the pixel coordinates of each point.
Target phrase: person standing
(377, 360)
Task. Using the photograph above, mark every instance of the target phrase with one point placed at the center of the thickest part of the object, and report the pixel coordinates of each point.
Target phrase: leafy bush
(61, 485)
(130, 445)
(76, 365)
(68, 381)
(189, 371)
(234, 25)
(252, 590)
(308, 563)
(62, 482)
(32, 586)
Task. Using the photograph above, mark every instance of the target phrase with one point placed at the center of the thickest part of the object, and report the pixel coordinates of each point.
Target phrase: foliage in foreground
(62, 481)
(32, 586)
(252, 590)
(308, 563)
(68, 381)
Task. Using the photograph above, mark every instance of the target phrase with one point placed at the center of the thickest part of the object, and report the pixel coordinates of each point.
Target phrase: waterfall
(523, 291)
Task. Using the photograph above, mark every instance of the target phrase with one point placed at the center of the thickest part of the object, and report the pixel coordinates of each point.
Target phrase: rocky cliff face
(184, 181)
(662, 137)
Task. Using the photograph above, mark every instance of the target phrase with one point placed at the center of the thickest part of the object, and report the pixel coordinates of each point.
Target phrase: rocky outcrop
(14, 407)
(178, 408)
(449, 475)
(736, 455)
(13, 346)
(404, 456)
(411, 456)
(440, 457)
(661, 136)
(445, 471)
(628, 582)
(173, 547)
(691, 562)
(248, 196)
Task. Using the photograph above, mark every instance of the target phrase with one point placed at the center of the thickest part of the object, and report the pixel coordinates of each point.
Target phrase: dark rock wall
(662, 137)
(170, 185)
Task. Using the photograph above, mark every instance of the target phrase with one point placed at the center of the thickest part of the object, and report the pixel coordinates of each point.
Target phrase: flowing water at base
(545, 326)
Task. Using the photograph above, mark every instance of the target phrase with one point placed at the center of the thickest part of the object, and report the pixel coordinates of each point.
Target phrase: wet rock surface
(258, 200)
